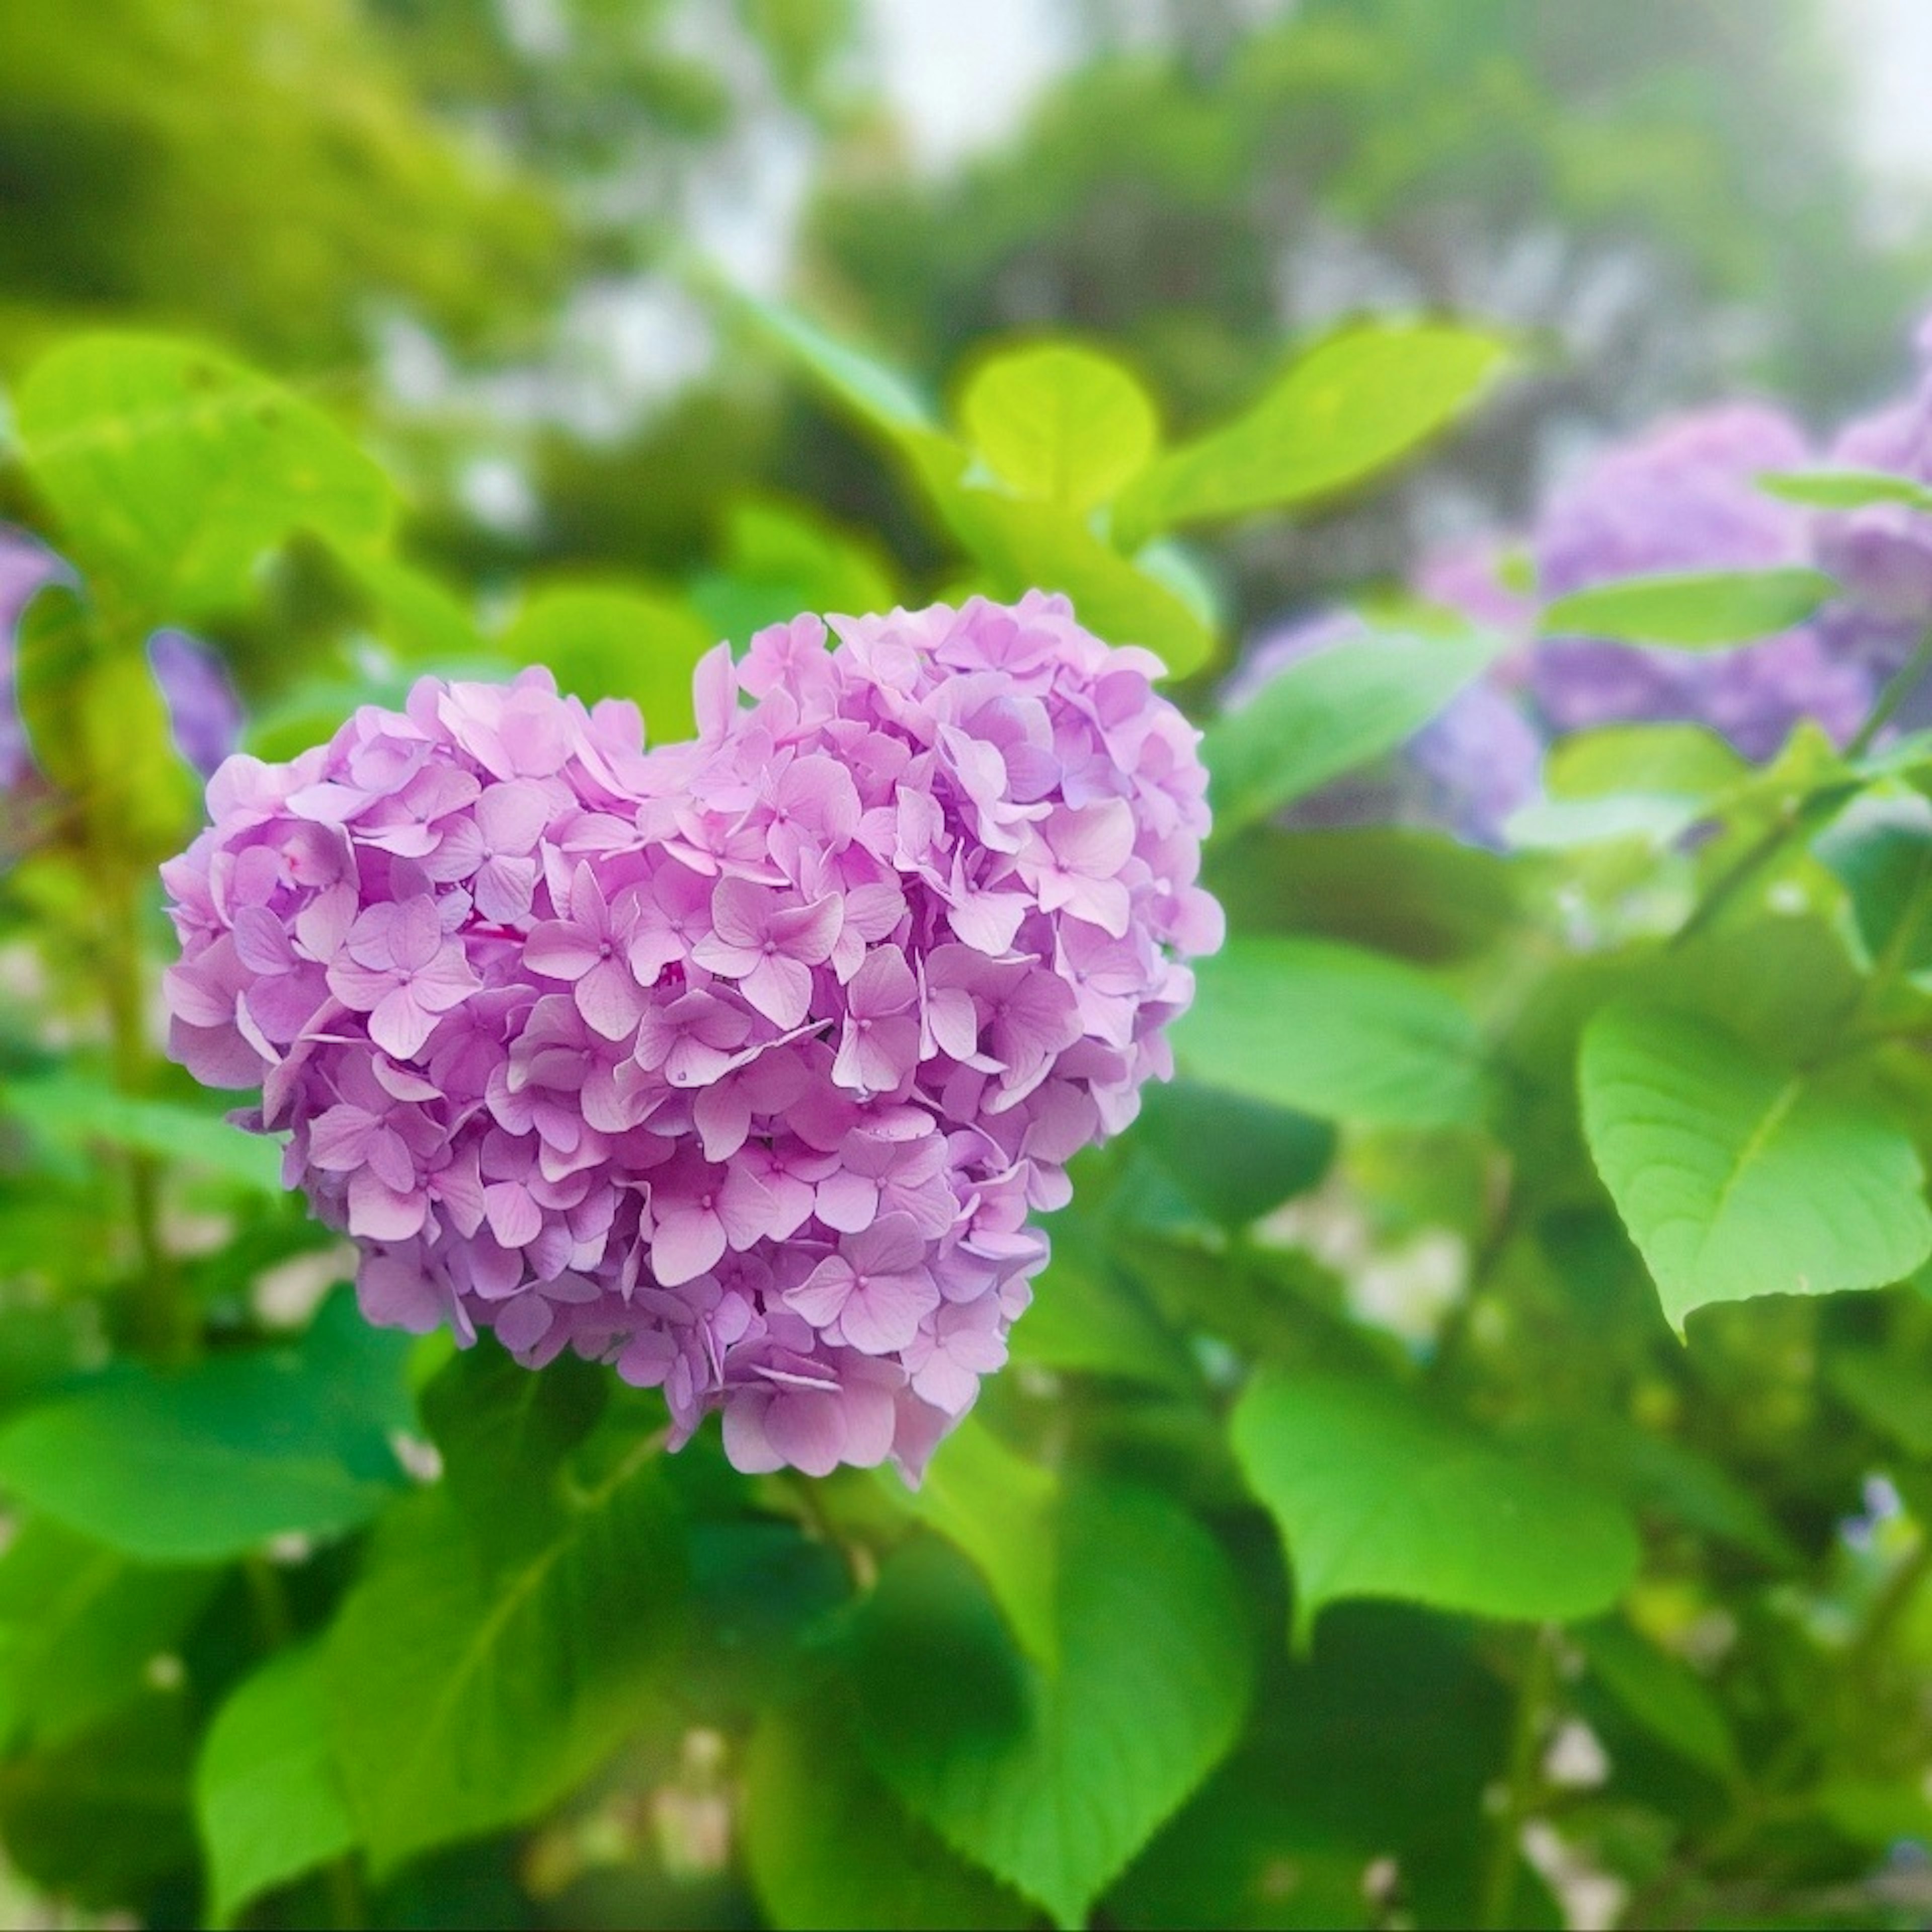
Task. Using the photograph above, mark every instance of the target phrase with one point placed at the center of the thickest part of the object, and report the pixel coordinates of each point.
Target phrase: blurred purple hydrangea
(740, 1064)
(204, 713)
(1684, 498)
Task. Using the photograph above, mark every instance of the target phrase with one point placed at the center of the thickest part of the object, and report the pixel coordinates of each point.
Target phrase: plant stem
(159, 1323)
(1498, 1897)
(1898, 687)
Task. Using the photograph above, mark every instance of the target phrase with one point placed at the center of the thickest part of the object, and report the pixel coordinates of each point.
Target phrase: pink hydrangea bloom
(739, 1064)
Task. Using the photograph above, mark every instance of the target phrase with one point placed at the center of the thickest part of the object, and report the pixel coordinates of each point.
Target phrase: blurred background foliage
(527, 252)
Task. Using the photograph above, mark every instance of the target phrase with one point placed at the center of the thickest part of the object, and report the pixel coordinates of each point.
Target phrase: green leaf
(615, 640)
(1376, 1496)
(1893, 1394)
(1846, 489)
(104, 1817)
(1053, 1780)
(504, 1433)
(1880, 850)
(998, 1509)
(427, 622)
(1330, 712)
(1060, 422)
(210, 1463)
(1235, 1158)
(1709, 610)
(1332, 1031)
(463, 1698)
(79, 1625)
(267, 1795)
(828, 1844)
(69, 1111)
(1667, 1698)
(875, 392)
(1084, 1319)
(173, 471)
(1023, 546)
(1737, 1177)
(1351, 405)
(780, 558)
(1648, 781)
(99, 728)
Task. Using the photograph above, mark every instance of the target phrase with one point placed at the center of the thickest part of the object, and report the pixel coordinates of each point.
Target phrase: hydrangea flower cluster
(739, 1064)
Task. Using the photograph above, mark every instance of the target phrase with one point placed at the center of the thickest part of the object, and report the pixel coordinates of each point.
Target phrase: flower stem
(1498, 1897)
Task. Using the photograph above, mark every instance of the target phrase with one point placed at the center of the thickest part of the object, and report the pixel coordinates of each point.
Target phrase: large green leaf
(1738, 1176)
(79, 1626)
(212, 1462)
(1061, 422)
(1329, 713)
(999, 1509)
(1707, 610)
(1350, 407)
(615, 640)
(1234, 1159)
(1085, 1319)
(267, 1797)
(1054, 1778)
(828, 1844)
(172, 471)
(1377, 1496)
(465, 1696)
(1332, 1031)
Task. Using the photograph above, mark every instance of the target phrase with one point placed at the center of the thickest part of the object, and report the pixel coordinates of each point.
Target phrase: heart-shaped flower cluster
(739, 1063)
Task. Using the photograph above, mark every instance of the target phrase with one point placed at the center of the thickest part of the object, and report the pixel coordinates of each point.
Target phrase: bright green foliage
(1060, 422)
(809, 1799)
(463, 1696)
(1348, 407)
(267, 1800)
(1846, 489)
(615, 641)
(1706, 612)
(1053, 1777)
(172, 472)
(1376, 1497)
(1391, 1044)
(1738, 1177)
(212, 1462)
(1328, 713)
(1342, 1337)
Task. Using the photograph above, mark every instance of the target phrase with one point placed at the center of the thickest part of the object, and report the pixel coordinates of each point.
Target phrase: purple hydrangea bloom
(740, 1064)
(1882, 555)
(1683, 497)
(204, 713)
(24, 567)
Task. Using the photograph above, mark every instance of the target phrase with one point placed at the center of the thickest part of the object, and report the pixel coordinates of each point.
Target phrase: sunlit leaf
(1737, 1177)
(1060, 421)
(1707, 610)
(174, 471)
(1846, 489)
(1377, 1496)
(1350, 407)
